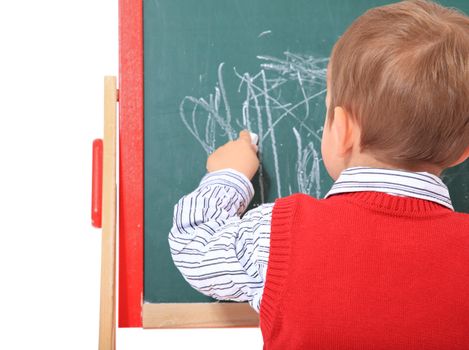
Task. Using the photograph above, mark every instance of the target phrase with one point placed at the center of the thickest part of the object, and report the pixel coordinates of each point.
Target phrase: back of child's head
(402, 71)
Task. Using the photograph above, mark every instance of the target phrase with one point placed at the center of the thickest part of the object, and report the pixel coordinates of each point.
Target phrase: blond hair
(402, 71)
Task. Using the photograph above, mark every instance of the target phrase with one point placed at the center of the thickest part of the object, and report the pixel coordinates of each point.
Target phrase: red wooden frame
(130, 163)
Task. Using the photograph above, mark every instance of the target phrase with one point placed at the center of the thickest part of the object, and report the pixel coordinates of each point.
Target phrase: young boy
(383, 261)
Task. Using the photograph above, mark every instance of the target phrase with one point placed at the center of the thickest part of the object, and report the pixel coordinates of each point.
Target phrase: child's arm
(217, 252)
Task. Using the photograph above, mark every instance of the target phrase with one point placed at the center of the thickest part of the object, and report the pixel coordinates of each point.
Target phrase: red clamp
(97, 184)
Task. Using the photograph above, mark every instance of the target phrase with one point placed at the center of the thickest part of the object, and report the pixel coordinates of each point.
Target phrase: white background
(53, 57)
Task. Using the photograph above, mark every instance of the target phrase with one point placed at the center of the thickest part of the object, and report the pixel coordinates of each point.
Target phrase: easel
(103, 213)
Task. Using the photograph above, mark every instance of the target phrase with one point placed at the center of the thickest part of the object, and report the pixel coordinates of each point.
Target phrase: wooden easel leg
(107, 317)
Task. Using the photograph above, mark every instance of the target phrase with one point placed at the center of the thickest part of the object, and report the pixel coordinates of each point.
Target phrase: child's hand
(240, 155)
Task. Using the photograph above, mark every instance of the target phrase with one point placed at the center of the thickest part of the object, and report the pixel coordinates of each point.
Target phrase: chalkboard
(212, 68)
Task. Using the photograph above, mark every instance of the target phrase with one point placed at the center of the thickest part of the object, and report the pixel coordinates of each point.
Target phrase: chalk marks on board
(215, 116)
(267, 102)
(265, 32)
(307, 158)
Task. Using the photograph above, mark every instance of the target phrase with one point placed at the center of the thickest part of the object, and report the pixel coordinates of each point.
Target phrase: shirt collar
(395, 182)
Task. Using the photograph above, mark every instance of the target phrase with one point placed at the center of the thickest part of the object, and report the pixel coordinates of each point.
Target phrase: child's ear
(463, 157)
(343, 131)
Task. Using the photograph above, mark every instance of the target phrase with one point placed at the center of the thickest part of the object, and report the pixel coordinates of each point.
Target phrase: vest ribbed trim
(283, 215)
(396, 204)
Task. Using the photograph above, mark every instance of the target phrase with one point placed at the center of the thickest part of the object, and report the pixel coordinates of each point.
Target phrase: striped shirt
(224, 255)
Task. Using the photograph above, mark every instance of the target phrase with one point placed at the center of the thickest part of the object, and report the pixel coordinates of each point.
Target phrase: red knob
(97, 183)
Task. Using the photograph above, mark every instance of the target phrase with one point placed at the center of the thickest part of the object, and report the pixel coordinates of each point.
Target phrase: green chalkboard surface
(212, 68)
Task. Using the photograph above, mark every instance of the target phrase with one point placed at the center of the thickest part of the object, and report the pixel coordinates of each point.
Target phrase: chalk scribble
(284, 89)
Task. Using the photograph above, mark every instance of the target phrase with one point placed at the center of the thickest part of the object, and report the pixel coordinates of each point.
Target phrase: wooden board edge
(199, 315)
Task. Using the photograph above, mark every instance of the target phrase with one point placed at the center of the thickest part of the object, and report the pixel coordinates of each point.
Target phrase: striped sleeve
(220, 253)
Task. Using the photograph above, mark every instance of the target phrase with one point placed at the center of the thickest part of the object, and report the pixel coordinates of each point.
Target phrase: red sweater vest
(366, 271)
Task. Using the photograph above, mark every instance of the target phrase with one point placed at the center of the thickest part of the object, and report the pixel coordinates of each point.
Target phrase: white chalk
(254, 138)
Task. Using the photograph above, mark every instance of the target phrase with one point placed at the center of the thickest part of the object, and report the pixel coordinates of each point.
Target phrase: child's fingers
(245, 135)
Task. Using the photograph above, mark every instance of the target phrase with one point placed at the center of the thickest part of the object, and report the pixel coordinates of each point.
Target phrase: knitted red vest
(366, 271)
